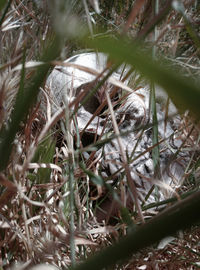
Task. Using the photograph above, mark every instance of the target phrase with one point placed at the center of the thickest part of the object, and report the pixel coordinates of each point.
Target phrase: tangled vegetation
(67, 200)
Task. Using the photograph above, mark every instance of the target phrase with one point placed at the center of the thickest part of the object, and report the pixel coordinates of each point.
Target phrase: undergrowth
(66, 193)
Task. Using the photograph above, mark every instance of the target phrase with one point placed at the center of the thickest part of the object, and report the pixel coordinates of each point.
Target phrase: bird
(135, 123)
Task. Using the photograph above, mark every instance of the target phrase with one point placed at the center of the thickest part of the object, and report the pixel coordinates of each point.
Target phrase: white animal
(132, 114)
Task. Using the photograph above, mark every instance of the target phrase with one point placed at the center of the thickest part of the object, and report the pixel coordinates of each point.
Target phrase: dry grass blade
(97, 73)
(124, 160)
(10, 191)
(76, 164)
(137, 6)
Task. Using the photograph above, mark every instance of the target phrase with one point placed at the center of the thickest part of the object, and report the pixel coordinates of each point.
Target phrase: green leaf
(179, 216)
(21, 108)
(183, 91)
(2, 4)
(96, 179)
(44, 154)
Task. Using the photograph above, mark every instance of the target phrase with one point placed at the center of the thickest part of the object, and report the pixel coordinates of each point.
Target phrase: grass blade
(179, 216)
(22, 107)
(183, 92)
(2, 3)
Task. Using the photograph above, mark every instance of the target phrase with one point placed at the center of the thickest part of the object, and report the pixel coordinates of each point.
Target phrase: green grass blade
(44, 154)
(183, 92)
(179, 7)
(2, 4)
(21, 108)
(179, 216)
(155, 141)
(72, 223)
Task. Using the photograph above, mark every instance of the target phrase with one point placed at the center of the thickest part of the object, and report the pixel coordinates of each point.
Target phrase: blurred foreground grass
(39, 227)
